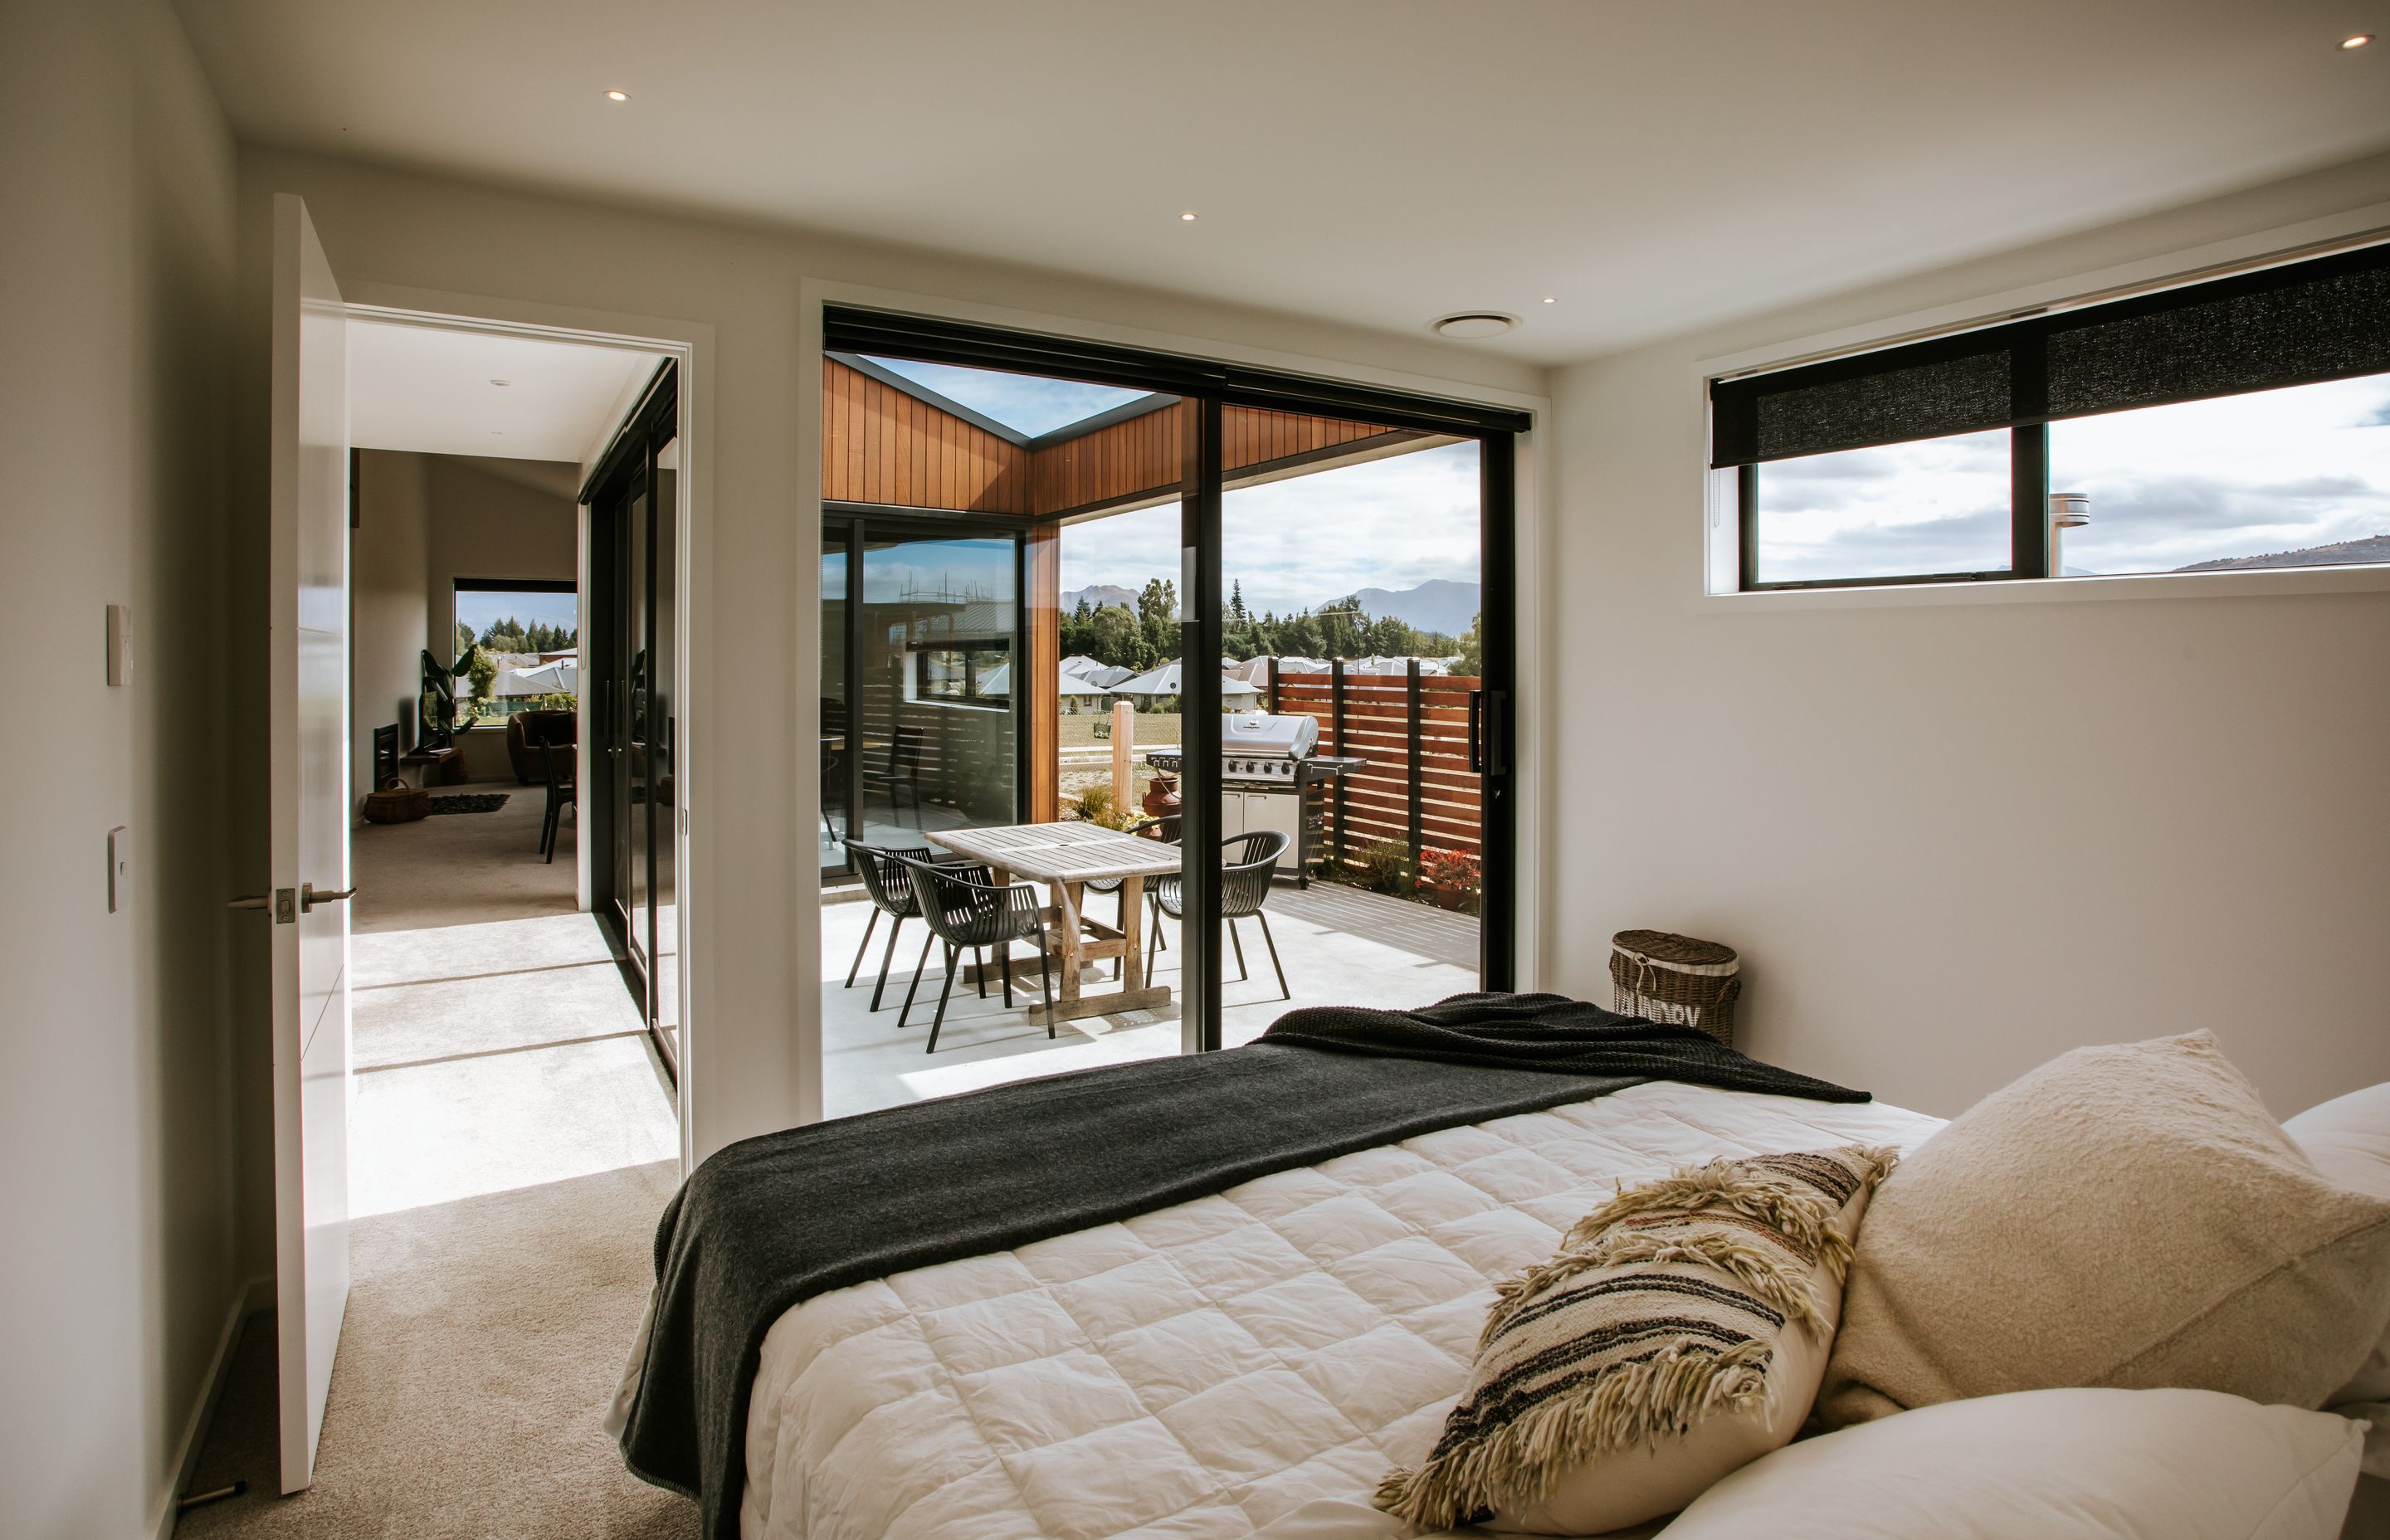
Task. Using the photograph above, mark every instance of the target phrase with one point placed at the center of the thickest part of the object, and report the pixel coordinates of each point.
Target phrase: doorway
(1339, 788)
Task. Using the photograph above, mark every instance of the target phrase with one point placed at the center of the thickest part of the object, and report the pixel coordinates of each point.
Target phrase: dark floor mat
(469, 801)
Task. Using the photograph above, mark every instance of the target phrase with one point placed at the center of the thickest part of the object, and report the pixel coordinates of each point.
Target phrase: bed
(1213, 1366)
(1207, 1369)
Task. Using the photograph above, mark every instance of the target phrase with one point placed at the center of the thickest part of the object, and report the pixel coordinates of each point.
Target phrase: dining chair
(1247, 864)
(561, 790)
(889, 881)
(967, 915)
(1168, 826)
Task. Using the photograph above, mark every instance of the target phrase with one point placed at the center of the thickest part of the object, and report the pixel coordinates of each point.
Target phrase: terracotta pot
(1162, 797)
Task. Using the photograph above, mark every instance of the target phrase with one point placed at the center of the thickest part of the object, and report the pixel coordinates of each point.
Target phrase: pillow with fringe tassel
(1681, 1332)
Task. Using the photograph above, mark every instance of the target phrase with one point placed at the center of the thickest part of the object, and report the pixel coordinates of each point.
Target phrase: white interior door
(309, 645)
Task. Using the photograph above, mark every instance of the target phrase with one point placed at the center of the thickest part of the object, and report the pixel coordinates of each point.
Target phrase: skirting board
(255, 1298)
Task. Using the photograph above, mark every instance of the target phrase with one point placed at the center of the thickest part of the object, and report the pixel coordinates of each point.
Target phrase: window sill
(2262, 584)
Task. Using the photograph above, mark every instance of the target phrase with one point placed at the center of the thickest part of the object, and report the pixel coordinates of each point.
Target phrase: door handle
(1497, 732)
(282, 901)
(309, 898)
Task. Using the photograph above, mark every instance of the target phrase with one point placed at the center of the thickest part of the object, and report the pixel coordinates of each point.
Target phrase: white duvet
(1205, 1370)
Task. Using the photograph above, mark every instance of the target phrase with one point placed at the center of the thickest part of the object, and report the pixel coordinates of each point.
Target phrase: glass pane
(1934, 506)
(640, 749)
(833, 822)
(936, 721)
(2292, 478)
(663, 787)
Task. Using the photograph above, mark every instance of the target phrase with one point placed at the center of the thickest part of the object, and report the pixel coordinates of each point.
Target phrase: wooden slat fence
(1418, 787)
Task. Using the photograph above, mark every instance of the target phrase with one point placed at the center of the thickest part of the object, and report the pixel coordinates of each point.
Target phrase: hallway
(512, 1138)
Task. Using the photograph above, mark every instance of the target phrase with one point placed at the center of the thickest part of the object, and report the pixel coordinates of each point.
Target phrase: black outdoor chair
(899, 771)
(559, 794)
(967, 915)
(1168, 825)
(887, 878)
(1247, 864)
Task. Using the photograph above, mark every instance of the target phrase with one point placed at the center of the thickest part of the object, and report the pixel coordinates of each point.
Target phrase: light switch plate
(119, 853)
(120, 643)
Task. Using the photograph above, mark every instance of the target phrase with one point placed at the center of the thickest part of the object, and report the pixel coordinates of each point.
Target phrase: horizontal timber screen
(1417, 790)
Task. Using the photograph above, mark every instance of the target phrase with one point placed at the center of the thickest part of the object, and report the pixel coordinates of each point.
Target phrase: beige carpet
(482, 1344)
(462, 869)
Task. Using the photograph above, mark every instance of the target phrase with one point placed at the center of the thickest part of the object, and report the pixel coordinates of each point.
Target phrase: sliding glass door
(1262, 623)
(920, 635)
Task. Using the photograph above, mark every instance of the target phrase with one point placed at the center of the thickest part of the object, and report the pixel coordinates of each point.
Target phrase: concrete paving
(497, 1048)
(1340, 945)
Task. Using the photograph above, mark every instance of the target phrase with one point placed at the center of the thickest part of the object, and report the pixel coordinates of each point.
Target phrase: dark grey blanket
(770, 1222)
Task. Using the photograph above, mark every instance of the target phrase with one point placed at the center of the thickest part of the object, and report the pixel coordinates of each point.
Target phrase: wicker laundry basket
(1666, 977)
(396, 802)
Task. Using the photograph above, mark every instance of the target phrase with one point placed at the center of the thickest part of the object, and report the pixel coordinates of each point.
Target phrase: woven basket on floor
(1666, 977)
(397, 803)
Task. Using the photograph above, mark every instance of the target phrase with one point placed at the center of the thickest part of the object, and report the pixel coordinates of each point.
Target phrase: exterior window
(1933, 508)
(2291, 478)
(973, 677)
(2231, 424)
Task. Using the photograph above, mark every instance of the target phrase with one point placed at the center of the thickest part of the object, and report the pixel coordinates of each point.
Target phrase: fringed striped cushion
(1669, 1305)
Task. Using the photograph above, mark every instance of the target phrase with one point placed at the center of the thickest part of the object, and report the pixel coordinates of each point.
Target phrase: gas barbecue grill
(1270, 779)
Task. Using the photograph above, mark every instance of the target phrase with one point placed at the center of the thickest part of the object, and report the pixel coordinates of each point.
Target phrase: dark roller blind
(2324, 319)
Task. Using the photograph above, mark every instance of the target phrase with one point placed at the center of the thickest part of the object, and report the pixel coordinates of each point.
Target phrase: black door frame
(626, 472)
(1212, 384)
(863, 522)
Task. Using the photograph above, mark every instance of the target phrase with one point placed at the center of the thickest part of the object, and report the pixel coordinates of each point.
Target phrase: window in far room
(529, 633)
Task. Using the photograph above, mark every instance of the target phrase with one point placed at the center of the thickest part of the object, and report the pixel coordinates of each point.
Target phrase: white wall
(117, 1278)
(753, 967)
(390, 599)
(489, 526)
(1953, 841)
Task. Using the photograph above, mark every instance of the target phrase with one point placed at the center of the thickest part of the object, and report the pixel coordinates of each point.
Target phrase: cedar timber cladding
(881, 444)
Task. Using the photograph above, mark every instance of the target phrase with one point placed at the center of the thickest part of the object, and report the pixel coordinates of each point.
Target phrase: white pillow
(2348, 1138)
(2049, 1464)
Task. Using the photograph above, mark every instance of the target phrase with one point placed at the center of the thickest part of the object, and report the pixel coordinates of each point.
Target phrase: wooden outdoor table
(1067, 856)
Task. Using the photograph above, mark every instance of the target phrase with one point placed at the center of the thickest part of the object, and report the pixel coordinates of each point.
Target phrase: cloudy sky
(479, 610)
(2247, 475)
(1293, 544)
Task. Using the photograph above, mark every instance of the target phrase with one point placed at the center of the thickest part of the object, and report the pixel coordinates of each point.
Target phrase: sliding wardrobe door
(630, 700)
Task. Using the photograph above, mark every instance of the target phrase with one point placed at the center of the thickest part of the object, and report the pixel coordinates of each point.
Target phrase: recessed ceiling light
(1187, 218)
(1473, 323)
(2359, 41)
(618, 95)
(1551, 299)
(501, 381)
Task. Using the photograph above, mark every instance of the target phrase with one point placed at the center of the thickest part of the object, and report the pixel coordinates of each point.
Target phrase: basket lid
(1667, 949)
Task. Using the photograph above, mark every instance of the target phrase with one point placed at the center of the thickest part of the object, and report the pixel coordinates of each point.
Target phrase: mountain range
(1439, 603)
(1097, 594)
(2374, 547)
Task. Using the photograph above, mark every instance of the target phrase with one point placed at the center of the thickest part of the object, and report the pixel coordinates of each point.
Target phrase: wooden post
(1124, 739)
(1273, 683)
(1336, 738)
(1041, 623)
(1411, 753)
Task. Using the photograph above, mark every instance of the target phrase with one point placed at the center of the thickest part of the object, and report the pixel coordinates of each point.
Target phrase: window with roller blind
(2233, 424)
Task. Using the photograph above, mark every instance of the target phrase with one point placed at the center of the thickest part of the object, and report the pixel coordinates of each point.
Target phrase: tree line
(1146, 636)
(512, 635)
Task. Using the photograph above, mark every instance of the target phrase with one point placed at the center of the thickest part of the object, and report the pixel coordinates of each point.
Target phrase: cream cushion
(2049, 1464)
(2348, 1138)
(2127, 1215)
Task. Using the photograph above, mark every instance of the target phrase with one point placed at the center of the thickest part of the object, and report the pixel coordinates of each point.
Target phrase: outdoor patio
(1341, 945)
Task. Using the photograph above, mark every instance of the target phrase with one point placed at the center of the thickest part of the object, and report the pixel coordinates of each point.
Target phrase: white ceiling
(431, 390)
(1654, 165)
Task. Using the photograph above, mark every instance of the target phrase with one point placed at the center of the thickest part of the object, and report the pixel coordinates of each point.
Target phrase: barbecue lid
(1259, 733)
